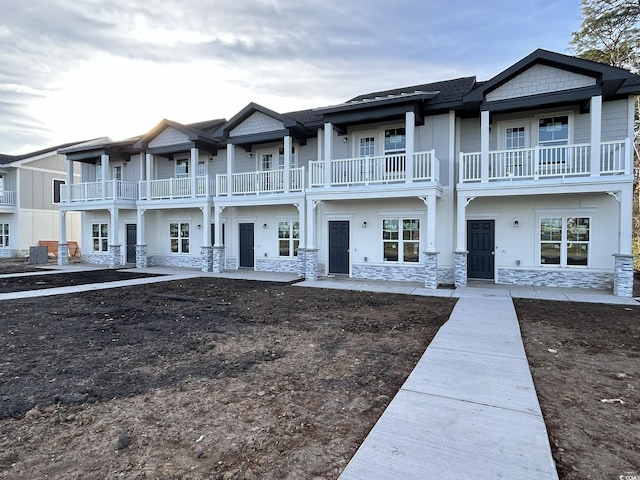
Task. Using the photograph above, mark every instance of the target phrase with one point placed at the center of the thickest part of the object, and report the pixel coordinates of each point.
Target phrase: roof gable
(169, 136)
(257, 122)
(539, 79)
(563, 73)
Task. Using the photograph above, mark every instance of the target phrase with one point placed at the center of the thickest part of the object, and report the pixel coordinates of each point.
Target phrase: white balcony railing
(7, 198)
(261, 182)
(544, 162)
(93, 191)
(169, 188)
(375, 170)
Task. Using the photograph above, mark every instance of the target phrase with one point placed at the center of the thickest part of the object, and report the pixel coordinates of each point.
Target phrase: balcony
(262, 182)
(383, 169)
(545, 163)
(173, 188)
(7, 198)
(95, 191)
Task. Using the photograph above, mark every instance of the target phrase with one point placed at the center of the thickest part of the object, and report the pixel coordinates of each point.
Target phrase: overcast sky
(72, 70)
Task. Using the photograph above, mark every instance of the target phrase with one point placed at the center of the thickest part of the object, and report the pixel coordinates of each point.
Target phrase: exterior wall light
(264, 226)
(516, 224)
(364, 224)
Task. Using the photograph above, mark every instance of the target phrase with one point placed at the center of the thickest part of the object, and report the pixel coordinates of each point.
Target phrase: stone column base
(63, 254)
(460, 273)
(218, 260)
(206, 253)
(115, 252)
(623, 275)
(141, 256)
(311, 264)
(302, 262)
(431, 270)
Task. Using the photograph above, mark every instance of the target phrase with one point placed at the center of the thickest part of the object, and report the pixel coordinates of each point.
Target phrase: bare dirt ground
(201, 378)
(219, 379)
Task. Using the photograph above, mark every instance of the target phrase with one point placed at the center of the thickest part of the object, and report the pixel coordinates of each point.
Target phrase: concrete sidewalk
(468, 410)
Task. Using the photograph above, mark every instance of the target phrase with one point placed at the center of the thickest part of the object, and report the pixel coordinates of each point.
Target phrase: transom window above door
(367, 146)
(515, 138)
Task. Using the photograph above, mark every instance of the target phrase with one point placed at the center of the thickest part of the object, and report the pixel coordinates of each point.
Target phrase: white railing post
(627, 157)
(536, 162)
(596, 134)
(410, 123)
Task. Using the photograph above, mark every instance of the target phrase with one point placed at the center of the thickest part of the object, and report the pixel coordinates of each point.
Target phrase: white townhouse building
(29, 196)
(523, 179)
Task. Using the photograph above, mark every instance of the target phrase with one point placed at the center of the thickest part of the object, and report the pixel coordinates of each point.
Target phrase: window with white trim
(564, 241)
(100, 237)
(182, 167)
(294, 162)
(4, 235)
(401, 240)
(57, 187)
(179, 236)
(288, 239)
(367, 147)
(117, 172)
(395, 144)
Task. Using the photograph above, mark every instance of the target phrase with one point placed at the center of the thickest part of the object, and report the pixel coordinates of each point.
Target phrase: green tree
(610, 33)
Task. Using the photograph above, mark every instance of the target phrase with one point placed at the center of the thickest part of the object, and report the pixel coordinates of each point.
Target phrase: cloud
(77, 62)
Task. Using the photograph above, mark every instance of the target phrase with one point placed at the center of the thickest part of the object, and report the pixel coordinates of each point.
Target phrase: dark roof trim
(225, 130)
(564, 96)
(192, 135)
(377, 102)
(382, 112)
(608, 78)
(246, 141)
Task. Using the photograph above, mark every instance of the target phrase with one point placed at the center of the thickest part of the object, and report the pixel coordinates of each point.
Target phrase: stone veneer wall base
(623, 275)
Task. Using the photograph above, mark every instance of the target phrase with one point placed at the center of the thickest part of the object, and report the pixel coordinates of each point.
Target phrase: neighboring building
(524, 179)
(29, 197)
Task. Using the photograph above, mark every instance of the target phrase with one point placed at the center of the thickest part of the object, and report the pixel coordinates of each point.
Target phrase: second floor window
(182, 167)
(117, 172)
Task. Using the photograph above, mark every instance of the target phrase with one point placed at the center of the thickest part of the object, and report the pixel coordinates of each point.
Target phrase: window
(117, 172)
(1, 182)
(100, 237)
(266, 161)
(281, 158)
(564, 241)
(179, 235)
(4, 235)
(56, 190)
(98, 172)
(395, 142)
(401, 240)
(515, 139)
(367, 147)
(553, 136)
(182, 167)
(288, 238)
(202, 168)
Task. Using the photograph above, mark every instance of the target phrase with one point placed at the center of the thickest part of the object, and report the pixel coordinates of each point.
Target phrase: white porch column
(311, 225)
(69, 178)
(142, 166)
(626, 219)
(302, 218)
(287, 163)
(596, 134)
(431, 223)
(410, 123)
(62, 228)
(140, 234)
(206, 226)
(217, 238)
(149, 165)
(320, 139)
(104, 162)
(194, 171)
(461, 224)
(114, 231)
(231, 151)
(484, 145)
(328, 149)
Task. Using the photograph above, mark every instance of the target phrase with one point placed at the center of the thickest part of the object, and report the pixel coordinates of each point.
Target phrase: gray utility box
(38, 255)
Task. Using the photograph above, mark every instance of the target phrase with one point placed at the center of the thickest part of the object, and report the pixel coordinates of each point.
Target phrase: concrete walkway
(468, 410)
